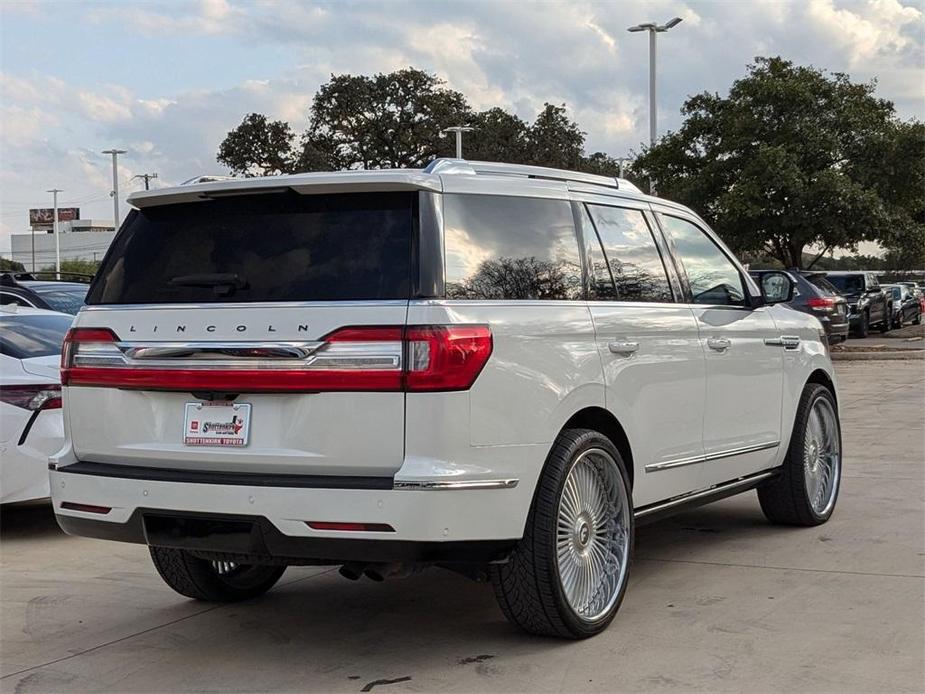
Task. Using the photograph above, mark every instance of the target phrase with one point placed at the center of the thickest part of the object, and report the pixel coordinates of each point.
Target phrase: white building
(80, 238)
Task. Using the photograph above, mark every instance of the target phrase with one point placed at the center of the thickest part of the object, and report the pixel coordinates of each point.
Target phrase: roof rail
(206, 178)
(461, 166)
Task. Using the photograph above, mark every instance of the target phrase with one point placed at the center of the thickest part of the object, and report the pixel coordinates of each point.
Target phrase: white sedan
(31, 425)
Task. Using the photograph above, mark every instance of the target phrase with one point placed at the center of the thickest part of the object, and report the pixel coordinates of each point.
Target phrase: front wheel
(863, 324)
(568, 574)
(806, 490)
(213, 581)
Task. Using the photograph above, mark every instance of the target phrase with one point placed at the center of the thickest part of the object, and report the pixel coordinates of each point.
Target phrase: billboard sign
(45, 215)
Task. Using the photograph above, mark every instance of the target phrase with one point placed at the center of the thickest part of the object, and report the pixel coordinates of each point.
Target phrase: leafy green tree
(784, 163)
(80, 266)
(7, 265)
(258, 147)
(394, 119)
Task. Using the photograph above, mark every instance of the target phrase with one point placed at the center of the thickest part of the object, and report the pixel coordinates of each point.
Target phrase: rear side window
(23, 337)
(631, 254)
(276, 247)
(500, 247)
(713, 278)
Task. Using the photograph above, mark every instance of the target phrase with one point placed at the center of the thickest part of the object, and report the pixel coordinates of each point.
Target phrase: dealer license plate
(216, 424)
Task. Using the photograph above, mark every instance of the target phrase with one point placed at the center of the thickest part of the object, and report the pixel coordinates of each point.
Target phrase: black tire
(201, 579)
(887, 321)
(528, 586)
(785, 499)
(863, 328)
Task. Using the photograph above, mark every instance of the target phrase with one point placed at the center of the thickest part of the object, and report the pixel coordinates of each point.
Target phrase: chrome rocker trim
(693, 460)
(704, 496)
(437, 485)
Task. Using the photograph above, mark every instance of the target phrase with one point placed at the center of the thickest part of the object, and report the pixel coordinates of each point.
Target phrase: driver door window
(713, 279)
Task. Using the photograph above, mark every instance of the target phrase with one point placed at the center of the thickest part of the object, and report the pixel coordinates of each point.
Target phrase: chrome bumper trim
(719, 455)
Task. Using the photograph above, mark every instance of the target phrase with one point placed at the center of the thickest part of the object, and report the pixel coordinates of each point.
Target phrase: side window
(712, 276)
(11, 299)
(873, 282)
(600, 281)
(629, 247)
(500, 247)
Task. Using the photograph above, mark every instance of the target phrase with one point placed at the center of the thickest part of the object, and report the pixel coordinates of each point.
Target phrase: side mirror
(776, 288)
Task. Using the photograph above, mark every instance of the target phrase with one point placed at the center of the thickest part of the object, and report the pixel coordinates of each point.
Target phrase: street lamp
(653, 29)
(459, 130)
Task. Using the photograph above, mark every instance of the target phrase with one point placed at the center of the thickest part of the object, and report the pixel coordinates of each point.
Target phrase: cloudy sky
(167, 80)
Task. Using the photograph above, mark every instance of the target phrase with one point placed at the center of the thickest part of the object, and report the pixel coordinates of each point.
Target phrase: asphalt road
(719, 600)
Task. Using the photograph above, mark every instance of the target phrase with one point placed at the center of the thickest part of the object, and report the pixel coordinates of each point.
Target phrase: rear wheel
(806, 490)
(213, 581)
(863, 324)
(887, 321)
(568, 574)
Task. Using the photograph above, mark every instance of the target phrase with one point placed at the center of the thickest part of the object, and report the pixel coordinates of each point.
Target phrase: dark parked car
(43, 290)
(868, 304)
(906, 305)
(813, 294)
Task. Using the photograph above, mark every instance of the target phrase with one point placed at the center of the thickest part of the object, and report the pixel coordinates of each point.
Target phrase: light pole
(622, 161)
(54, 225)
(653, 29)
(115, 183)
(459, 130)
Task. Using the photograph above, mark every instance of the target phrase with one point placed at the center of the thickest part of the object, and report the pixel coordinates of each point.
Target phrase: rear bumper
(257, 539)
(428, 524)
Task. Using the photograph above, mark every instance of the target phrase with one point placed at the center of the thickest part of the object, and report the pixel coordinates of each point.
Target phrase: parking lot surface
(719, 600)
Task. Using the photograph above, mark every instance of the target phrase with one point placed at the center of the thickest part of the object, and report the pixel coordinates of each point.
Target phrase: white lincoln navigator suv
(496, 369)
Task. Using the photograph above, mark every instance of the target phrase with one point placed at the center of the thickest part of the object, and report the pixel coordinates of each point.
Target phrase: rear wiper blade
(223, 283)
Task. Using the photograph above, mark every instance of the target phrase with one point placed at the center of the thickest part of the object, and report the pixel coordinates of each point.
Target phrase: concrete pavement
(719, 600)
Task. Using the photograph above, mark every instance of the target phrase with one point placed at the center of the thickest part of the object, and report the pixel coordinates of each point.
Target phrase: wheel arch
(603, 421)
(823, 379)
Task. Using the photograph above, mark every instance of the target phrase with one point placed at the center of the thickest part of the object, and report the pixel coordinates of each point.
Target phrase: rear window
(822, 284)
(847, 284)
(275, 247)
(23, 337)
(63, 299)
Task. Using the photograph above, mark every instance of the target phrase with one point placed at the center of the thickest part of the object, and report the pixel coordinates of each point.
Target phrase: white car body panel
(465, 464)
(24, 466)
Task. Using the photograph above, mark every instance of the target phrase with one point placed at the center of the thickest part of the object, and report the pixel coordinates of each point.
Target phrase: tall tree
(394, 120)
(780, 164)
(258, 147)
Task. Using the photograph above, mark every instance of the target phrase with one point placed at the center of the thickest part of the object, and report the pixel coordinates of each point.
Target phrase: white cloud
(515, 55)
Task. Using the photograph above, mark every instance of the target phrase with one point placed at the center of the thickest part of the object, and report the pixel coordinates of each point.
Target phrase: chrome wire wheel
(822, 456)
(592, 534)
(224, 568)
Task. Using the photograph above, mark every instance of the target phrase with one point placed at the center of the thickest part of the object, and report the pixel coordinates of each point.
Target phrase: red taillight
(32, 396)
(821, 303)
(86, 508)
(351, 527)
(87, 339)
(445, 357)
(366, 358)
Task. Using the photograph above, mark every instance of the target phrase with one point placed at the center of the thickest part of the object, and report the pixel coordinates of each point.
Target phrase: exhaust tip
(351, 571)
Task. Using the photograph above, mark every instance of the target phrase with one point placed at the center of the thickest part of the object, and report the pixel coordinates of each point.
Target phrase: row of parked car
(37, 312)
(851, 303)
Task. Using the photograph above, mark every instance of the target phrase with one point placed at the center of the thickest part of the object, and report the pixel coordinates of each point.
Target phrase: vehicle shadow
(27, 521)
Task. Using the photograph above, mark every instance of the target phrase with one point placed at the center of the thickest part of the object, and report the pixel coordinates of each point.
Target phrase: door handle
(719, 344)
(623, 347)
